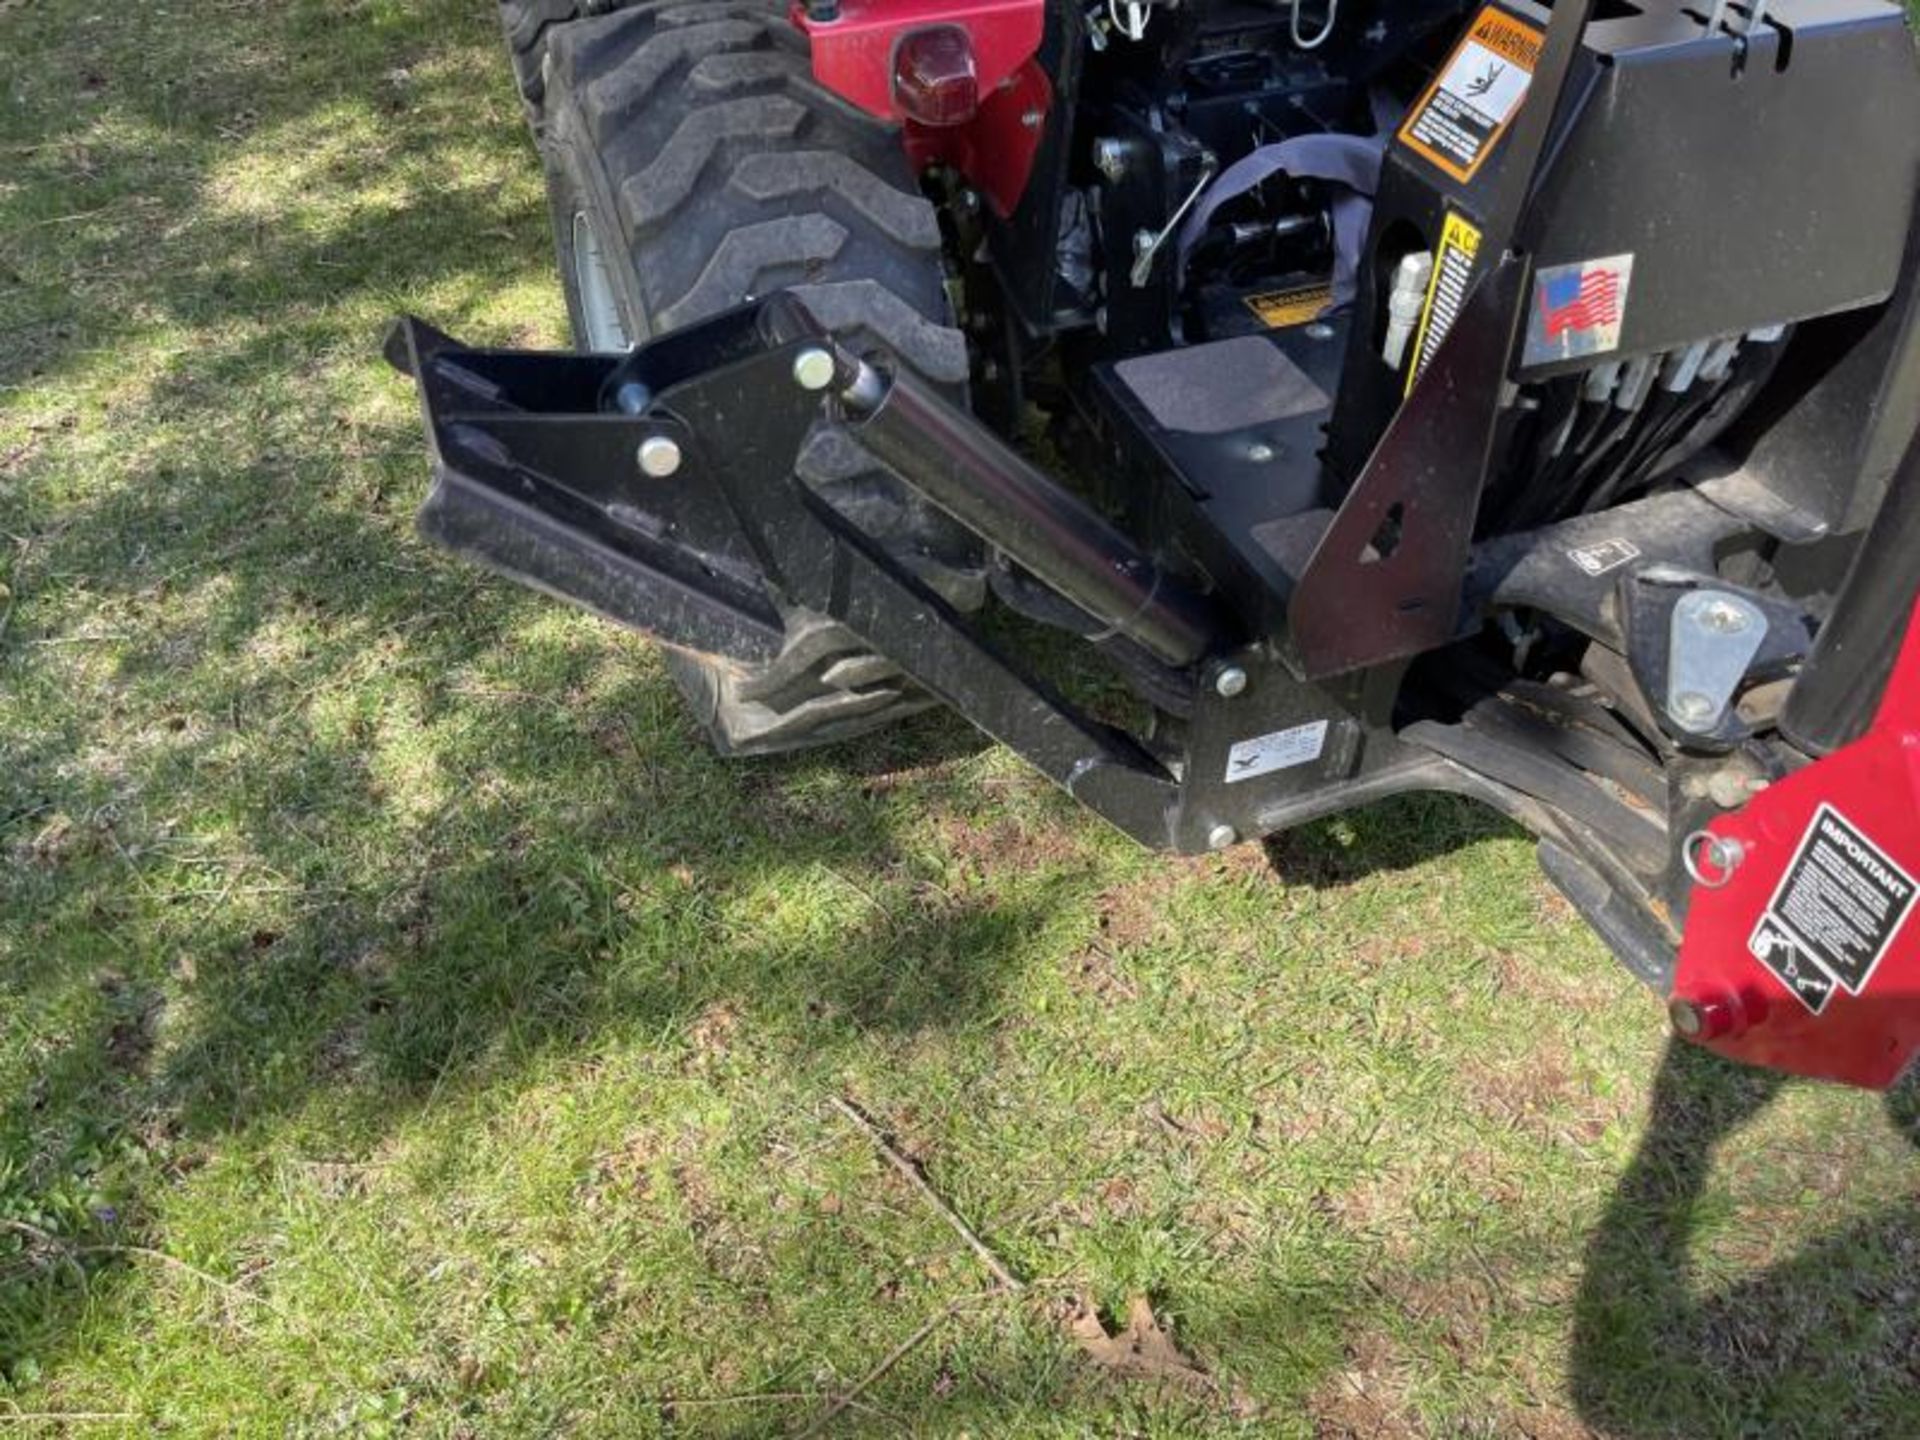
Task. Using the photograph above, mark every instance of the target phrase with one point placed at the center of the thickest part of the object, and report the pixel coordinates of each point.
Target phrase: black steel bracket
(1386, 579)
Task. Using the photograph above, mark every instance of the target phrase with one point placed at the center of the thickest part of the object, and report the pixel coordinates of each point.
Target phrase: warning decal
(1604, 558)
(1283, 309)
(1774, 948)
(1466, 110)
(1281, 750)
(1447, 291)
(1838, 909)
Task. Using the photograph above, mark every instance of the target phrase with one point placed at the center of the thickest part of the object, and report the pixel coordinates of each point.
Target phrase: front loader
(1247, 410)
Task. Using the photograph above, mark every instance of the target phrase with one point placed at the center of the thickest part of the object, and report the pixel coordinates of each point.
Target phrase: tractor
(1247, 410)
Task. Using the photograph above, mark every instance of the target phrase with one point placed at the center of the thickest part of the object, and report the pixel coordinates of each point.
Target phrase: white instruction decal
(1608, 555)
(1282, 750)
(1838, 908)
(1774, 948)
(1447, 292)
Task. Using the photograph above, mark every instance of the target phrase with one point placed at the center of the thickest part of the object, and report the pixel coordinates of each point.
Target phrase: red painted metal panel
(1859, 1024)
(853, 57)
(996, 151)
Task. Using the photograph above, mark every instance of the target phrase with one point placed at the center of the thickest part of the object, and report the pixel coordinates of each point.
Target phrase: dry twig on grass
(995, 1266)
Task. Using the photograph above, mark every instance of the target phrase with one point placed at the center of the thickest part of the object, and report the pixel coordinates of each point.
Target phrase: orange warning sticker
(1466, 110)
(1283, 309)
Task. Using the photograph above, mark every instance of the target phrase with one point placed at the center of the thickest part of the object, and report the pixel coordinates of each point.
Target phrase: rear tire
(693, 163)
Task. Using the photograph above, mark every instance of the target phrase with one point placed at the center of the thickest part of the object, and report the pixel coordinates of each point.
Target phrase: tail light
(934, 77)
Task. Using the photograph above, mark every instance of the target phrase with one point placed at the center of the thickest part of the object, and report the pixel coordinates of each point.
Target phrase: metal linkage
(972, 474)
(1713, 638)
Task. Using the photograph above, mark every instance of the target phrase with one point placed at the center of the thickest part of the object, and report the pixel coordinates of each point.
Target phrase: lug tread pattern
(527, 24)
(906, 218)
(733, 174)
(867, 309)
(750, 253)
(620, 92)
(669, 182)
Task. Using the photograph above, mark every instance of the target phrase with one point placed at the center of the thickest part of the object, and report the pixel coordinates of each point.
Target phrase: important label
(1446, 291)
(1284, 309)
(1838, 909)
(1461, 118)
(1282, 750)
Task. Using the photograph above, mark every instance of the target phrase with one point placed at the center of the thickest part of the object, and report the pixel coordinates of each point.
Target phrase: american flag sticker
(1578, 310)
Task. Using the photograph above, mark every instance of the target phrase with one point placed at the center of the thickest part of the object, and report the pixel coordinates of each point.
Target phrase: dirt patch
(340, 1179)
(1542, 1098)
(1456, 1309)
(60, 840)
(622, 1174)
(131, 1037)
(1006, 844)
(1097, 968)
(1129, 915)
(1132, 915)
(1543, 1424)
(1118, 1196)
(343, 1052)
(711, 1037)
(1382, 1207)
(1533, 977)
(1365, 1397)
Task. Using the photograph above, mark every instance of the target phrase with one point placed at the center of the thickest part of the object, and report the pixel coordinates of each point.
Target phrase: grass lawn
(407, 1026)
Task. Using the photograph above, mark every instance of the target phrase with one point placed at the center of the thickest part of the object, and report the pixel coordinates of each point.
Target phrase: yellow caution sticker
(1284, 309)
(1460, 120)
(1447, 291)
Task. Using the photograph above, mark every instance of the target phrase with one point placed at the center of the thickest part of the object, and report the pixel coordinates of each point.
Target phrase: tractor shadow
(1824, 1343)
(1384, 838)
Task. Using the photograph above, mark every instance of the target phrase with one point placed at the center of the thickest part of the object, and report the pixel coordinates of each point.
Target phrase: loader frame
(667, 490)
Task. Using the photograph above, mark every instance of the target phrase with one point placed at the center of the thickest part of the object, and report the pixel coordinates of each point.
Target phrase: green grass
(406, 1025)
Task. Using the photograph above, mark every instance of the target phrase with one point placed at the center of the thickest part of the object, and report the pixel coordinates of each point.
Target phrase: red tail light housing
(936, 81)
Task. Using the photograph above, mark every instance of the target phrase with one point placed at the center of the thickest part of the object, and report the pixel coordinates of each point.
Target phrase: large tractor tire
(693, 163)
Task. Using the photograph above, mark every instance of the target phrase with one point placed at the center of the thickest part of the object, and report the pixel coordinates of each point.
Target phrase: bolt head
(659, 456)
(813, 369)
(1110, 158)
(1319, 330)
(1229, 681)
(1222, 837)
(1723, 616)
(1707, 1017)
(1689, 1020)
(1260, 452)
(1690, 707)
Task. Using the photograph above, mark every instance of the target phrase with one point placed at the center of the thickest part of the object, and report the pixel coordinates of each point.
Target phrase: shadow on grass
(1826, 1343)
(1384, 838)
(240, 532)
